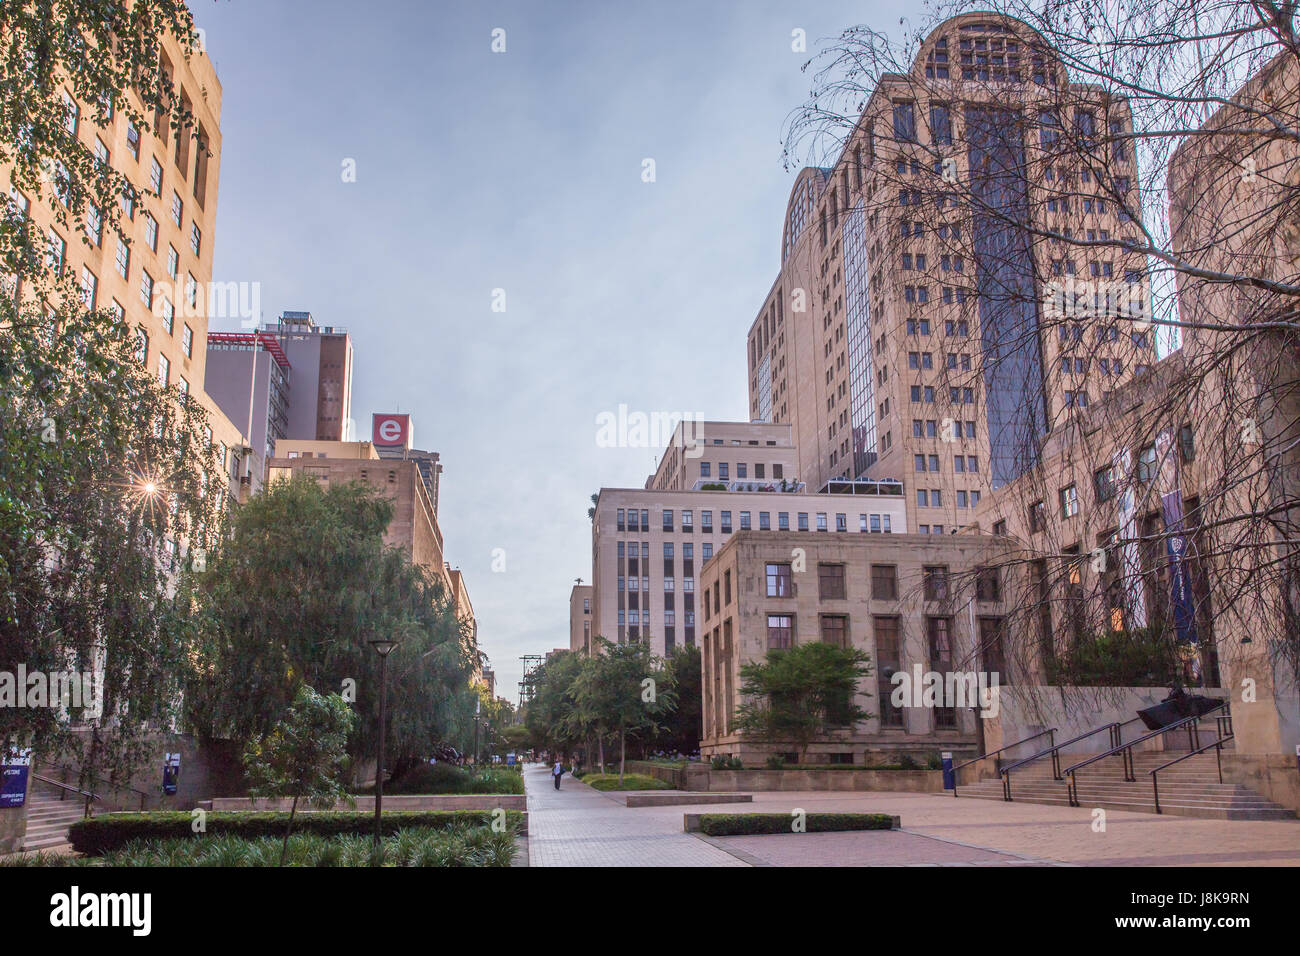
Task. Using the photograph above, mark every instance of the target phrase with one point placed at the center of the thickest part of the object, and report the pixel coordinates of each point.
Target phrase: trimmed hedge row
(100, 835)
(744, 824)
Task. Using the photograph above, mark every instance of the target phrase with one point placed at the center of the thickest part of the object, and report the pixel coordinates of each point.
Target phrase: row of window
(742, 470)
(632, 519)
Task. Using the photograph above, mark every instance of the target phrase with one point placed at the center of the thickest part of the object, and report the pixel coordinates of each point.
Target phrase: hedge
(742, 824)
(105, 834)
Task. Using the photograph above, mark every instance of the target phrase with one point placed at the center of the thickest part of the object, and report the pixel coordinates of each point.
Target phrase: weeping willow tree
(302, 586)
(107, 479)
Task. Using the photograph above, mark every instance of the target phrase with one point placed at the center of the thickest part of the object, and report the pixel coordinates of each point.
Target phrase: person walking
(556, 773)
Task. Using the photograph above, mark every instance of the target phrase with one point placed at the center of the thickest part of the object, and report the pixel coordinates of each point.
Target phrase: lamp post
(383, 647)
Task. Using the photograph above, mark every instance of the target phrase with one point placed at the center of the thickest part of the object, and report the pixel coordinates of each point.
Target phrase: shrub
(434, 778)
(740, 824)
(719, 762)
(631, 781)
(775, 762)
(100, 835)
(457, 845)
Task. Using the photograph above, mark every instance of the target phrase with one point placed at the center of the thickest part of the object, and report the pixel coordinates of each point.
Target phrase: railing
(66, 769)
(65, 790)
(1055, 751)
(1125, 751)
(1050, 734)
(1218, 759)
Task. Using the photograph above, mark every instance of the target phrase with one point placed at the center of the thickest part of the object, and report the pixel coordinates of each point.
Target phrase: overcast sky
(519, 171)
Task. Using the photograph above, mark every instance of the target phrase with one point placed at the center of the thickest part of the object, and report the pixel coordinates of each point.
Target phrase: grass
(631, 781)
(460, 845)
(740, 824)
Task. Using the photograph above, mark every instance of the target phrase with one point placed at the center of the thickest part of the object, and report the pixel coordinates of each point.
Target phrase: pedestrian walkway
(578, 826)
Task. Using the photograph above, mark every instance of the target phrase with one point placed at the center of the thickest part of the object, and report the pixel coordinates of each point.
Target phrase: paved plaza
(579, 826)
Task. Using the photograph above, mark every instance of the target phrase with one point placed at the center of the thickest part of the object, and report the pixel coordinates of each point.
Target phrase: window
(830, 582)
(905, 122)
(778, 581)
(122, 260)
(168, 315)
(156, 176)
(889, 662)
(780, 631)
(57, 251)
(835, 630)
(146, 288)
(133, 140)
(940, 125)
(1037, 516)
(1104, 483)
(668, 519)
(89, 287)
(1069, 501)
(935, 578)
(1147, 464)
(151, 232)
(164, 369)
(196, 238)
(1187, 443)
(988, 585)
(884, 582)
(178, 208)
(187, 342)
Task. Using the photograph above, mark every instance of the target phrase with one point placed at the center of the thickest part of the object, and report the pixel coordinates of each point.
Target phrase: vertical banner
(171, 772)
(13, 778)
(1130, 555)
(1181, 601)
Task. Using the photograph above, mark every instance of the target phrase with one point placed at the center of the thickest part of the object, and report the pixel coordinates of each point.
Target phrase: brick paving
(580, 827)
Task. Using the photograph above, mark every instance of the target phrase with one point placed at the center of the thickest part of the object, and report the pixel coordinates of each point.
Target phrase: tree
(302, 586)
(624, 690)
(304, 757)
(107, 480)
(552, 714)
(683, 727)
(802, 694)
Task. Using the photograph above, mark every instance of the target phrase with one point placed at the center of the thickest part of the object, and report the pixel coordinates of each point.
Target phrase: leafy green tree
(551, 711)
(305, 582)
(624, 691)
(107, 480)
(684, 726)
(304, 756)
(802, 693)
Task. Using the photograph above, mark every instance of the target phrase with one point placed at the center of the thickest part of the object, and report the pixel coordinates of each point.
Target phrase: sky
(520, 172)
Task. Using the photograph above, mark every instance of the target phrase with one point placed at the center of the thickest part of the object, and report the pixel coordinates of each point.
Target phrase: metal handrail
(1050, 733)
(68, 768)
(90, 797)
(1218, 759)
(1055, 750)
(1126, 751)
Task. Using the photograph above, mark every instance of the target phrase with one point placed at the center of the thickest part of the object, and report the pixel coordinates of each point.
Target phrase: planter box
(906, 781)
(448, 801)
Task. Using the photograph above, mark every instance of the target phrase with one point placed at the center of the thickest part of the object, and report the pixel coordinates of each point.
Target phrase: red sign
(391, 431)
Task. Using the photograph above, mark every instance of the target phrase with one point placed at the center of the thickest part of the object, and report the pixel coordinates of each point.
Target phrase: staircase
(48, 817)
(1190, 788)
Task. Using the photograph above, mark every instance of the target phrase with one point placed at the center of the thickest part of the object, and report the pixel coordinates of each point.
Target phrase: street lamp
(383, 647)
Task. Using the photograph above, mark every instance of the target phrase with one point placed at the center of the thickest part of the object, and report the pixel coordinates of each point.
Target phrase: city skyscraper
(928, 321)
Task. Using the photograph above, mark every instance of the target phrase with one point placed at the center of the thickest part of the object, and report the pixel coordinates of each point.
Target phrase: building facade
(649, 547)
(580, 618)
(910, 332)
(916, 604)
(320, 394)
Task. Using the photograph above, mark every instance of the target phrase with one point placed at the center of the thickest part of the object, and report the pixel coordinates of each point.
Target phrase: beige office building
(914, 603)
(414, 527)
(159, 279)
(649, 545)
(580, 618)
(891, 291)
